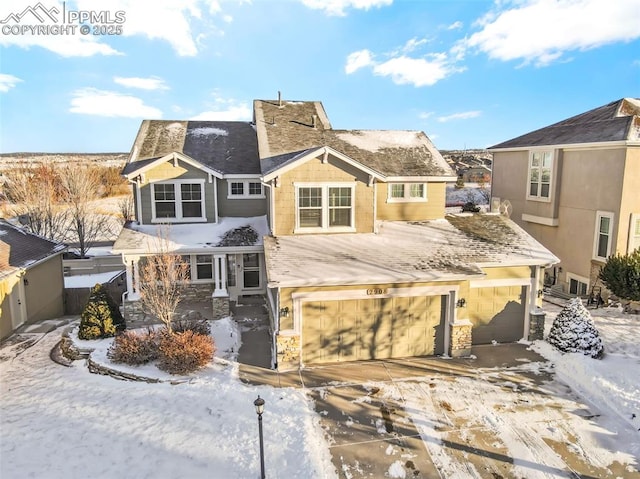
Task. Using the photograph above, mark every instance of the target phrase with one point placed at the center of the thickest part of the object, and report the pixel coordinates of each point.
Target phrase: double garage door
(396, 327)
(380, 328)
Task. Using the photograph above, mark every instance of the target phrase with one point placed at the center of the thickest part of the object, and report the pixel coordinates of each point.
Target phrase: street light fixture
(259, 404)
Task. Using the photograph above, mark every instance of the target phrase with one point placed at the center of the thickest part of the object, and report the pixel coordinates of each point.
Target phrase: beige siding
(433, 208)
(7, 286)
(167, 171)
(630, 202)
(45, 290)
(314, 171)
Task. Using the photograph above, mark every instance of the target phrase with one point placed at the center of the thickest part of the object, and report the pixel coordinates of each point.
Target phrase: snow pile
(573, 331)
(206, 131)
(376, 140)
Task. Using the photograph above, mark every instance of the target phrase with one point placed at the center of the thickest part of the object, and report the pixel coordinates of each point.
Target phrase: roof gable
(20, 249)
(615, 121)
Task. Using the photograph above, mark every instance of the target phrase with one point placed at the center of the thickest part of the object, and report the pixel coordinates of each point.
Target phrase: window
(325, 207)
(634, 233)
(604, 228)
(540, 166)
(405, 192)
(178, 201)
(577, 284)
(239, 189)
(204, 266)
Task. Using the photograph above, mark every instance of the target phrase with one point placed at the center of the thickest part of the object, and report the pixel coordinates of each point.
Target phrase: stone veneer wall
(288, 351)
(536, 324)
(460, 338)
(220, 307)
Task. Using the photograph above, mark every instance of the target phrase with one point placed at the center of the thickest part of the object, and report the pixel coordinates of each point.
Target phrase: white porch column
(133, 277)
(220, 275)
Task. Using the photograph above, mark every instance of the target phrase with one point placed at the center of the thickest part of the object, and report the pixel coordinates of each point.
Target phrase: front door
(243, 274)
(251, 270)
(18, 304)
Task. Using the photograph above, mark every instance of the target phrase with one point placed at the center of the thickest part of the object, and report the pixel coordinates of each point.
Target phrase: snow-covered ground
(527, 421)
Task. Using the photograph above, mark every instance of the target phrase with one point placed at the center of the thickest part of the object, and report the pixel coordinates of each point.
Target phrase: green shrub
(621, 274)
(134, 348)
(184, 353)
(101, 317)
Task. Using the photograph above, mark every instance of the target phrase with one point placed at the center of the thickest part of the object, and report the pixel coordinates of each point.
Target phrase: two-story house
(575, 187)
(344, 231)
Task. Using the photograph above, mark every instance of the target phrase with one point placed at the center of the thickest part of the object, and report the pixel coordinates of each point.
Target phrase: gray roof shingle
(616, 121)
(20, 249)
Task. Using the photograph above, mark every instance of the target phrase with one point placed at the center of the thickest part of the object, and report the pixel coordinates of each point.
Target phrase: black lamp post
(259, 404)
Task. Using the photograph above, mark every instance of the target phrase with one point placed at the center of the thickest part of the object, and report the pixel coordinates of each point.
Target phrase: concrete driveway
(498, 415)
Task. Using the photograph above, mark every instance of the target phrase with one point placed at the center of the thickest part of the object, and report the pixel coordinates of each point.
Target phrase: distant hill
(12, 160)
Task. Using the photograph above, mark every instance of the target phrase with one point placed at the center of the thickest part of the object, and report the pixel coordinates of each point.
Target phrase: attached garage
(373, 328)
(497, 313)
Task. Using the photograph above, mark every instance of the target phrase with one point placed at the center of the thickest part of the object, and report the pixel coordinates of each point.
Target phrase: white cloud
(460, 116)
(417, 71)
(91, 101)
(425, 114)
(338, 7)
(412, 44)
(541, 31)
(151, 83)
(7, 82)
(358, 60)
(455, 26)
(225, 110)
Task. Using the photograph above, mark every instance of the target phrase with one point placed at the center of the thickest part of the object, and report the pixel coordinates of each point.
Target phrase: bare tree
(125, 205)
(35, 192)
(484, 191)
(162, 279)
(79, 186)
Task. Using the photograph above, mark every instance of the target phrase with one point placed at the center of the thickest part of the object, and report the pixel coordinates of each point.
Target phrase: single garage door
(380, 328)
(497, 313)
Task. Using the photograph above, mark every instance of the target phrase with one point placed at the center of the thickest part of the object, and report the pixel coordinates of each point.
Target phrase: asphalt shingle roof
(449, 249)
(20, 249)
(616, 121)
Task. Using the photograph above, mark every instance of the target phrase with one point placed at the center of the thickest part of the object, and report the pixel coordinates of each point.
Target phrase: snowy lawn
(59, 422)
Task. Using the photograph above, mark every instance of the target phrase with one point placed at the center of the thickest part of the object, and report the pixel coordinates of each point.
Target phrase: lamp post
(259, 404)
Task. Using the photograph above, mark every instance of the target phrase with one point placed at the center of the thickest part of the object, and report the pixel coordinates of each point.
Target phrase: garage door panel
(497, 313)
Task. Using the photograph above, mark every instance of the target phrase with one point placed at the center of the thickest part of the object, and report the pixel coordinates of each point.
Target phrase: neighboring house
(344, 231)
(31, 278)
(575, 187)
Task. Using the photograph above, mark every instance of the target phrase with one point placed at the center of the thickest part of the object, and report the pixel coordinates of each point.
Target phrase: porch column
(133, 277)
(220, 275)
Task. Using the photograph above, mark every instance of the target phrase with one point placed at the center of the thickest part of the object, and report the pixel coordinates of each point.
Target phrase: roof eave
(569, 146)
(169, 157)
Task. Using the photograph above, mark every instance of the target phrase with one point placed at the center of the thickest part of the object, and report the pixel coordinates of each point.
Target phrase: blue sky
(468, 73)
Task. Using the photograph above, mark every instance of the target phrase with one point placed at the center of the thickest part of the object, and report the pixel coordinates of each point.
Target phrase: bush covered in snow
(573, 331)
(101, 317)
(184, 353)
(134, 348)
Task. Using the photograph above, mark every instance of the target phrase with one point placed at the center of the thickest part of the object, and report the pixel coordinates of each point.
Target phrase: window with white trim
(577, 284)
(325, 207)
(243, 189)
(540, 172)
(405, 192)
(634, 233)
(603, 240)
(204, 266)
(178, 201)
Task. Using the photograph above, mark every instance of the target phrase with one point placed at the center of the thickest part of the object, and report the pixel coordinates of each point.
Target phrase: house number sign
(372, 291)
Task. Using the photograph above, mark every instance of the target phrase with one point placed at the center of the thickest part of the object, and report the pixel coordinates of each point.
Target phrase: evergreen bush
(101, 317)
(574, 331)
(621, 274)
(184, 353)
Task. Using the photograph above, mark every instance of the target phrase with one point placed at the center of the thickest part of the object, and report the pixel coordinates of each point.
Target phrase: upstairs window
(634, 233)
(540, 171)
(406, 192)
(243, 189)
(178, 201)
(603, 240)
(325, 207)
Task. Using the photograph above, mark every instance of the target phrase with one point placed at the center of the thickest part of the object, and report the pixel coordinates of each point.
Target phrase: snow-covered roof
(456, 247)
(227, 233)
(90, 280)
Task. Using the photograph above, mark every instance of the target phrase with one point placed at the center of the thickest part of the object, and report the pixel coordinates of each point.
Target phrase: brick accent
(460, 338)
(288, 351)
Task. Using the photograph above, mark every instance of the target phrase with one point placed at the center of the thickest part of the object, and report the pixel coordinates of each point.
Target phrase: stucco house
(31, 278)
(575, 187)
(343, 231)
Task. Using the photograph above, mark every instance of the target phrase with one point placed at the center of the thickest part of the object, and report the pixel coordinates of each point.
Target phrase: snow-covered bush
(101, 317)
(134, 348)
(573, 331)
(184, 353)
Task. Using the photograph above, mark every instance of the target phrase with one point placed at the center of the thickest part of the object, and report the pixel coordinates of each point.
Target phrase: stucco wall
(630, 202)
(7, 285)
(44, 292)
(314, 171)
(433, 208)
